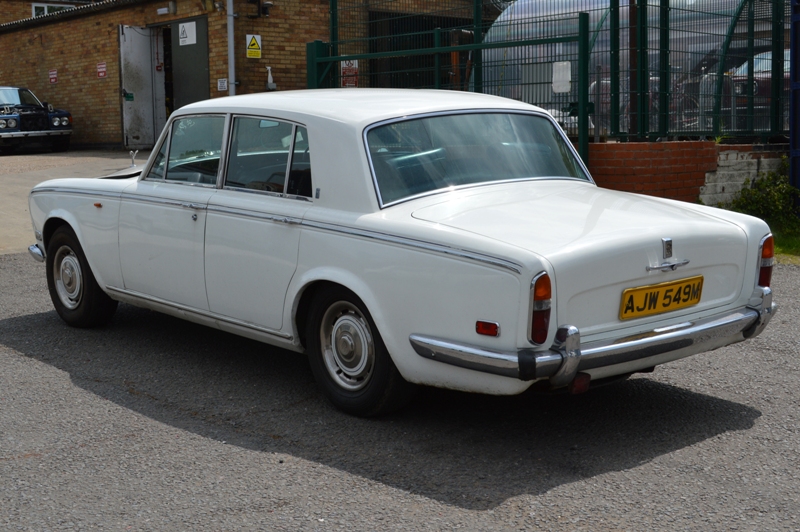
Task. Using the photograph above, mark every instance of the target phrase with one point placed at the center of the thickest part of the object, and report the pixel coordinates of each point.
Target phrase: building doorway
(162, 68)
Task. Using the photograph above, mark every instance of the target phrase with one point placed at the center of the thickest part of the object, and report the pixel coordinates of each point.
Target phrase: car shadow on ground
(472, 451)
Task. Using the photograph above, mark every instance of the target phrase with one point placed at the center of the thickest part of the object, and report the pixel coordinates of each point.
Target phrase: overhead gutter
(67, 14)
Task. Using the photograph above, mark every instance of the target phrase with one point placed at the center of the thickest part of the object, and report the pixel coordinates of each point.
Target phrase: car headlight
(56, 121)
(12, 122)
(64, 121)
(2, 124)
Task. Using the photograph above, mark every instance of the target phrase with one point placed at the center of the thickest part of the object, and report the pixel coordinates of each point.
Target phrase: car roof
(355, 106)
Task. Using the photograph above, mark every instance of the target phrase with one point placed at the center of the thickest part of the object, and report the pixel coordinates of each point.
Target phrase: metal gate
(656, 69)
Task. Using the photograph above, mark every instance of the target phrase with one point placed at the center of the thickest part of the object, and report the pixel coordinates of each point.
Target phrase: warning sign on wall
(187, 33)
(53, 76)
(350, 73)
(101, 70)
(254, 46)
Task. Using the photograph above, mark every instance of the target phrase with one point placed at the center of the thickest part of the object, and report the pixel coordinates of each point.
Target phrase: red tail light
(540, 308)
(767, 260)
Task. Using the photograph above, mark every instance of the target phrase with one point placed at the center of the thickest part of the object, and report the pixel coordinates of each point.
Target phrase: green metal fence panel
(655, 70)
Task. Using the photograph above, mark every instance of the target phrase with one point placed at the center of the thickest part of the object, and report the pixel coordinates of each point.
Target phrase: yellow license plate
(663, 297)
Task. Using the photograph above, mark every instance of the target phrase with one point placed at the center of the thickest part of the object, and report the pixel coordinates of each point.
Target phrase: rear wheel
(77, 297)
(348, 357)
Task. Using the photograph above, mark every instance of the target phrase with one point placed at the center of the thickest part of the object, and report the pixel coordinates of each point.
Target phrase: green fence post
(315, 51)
(751, 50)
(642, 71)
(334, 40)
(664, 70)
(614, 68)
(477, 25)
(583, 86)
(437, 61)
(776, 100)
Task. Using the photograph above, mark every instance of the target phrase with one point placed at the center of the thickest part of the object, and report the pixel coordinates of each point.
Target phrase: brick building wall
(74, 46)
(15, 10)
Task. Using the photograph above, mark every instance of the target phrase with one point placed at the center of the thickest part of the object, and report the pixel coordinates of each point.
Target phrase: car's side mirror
(49, 106)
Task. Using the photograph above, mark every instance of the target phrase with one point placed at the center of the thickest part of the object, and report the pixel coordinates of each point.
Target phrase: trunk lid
(600, 243)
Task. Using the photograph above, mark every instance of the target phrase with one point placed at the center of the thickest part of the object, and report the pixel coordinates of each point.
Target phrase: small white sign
(254, 46)
(187, 33)
(562, 76)
(350, 73)
(222, 84)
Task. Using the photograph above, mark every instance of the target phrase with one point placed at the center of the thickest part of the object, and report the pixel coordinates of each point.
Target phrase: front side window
(417, 156)
(194, 153)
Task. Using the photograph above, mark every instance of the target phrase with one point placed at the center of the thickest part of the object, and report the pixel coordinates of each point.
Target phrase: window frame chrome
(451, 112)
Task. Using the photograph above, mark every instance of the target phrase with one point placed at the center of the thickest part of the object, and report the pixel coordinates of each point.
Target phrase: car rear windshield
(417, 156)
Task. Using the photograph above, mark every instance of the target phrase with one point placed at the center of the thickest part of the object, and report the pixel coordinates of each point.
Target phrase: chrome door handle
(196, 206)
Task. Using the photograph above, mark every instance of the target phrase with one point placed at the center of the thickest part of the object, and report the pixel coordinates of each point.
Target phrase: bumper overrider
(568, 357)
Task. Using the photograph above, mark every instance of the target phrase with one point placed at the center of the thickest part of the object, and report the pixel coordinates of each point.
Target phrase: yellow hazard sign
(254, 46)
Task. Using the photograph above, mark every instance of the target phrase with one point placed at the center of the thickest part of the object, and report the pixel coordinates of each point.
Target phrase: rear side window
(269, 156)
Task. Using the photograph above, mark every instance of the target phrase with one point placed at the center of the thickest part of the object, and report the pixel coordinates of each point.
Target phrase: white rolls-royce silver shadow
(403, 238)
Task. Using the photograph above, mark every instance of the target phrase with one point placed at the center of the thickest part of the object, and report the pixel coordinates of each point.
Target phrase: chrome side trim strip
(255, 215)
(162, 201)
(419, 244)
(567, 356)
(201, 313)
(80, 191)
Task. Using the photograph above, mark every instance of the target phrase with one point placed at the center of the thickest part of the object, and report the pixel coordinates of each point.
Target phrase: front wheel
(348, 357)
(77, 297)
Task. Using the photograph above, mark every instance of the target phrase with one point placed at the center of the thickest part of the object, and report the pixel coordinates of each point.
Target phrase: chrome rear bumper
(567, 357)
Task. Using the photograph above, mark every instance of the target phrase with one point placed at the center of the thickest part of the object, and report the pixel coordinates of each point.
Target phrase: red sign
(101, 70)
(54, 76)
(350, 73)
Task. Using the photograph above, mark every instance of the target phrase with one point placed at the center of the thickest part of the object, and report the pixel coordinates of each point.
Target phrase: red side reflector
(487, 328)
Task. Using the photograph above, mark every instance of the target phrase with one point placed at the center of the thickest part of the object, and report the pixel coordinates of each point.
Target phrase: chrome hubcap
(347, 346)
(68, 277)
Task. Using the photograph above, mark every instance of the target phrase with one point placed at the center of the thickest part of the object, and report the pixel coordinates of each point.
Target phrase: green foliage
(773, 199)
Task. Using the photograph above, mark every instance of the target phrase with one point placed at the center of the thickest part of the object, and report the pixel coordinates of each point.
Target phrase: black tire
(77, 297)
(348, 357)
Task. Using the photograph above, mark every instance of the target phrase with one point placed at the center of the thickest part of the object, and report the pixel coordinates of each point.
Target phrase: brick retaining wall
(685, 170)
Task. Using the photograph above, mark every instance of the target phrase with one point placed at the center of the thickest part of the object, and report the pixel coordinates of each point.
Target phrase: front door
(162, 220)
